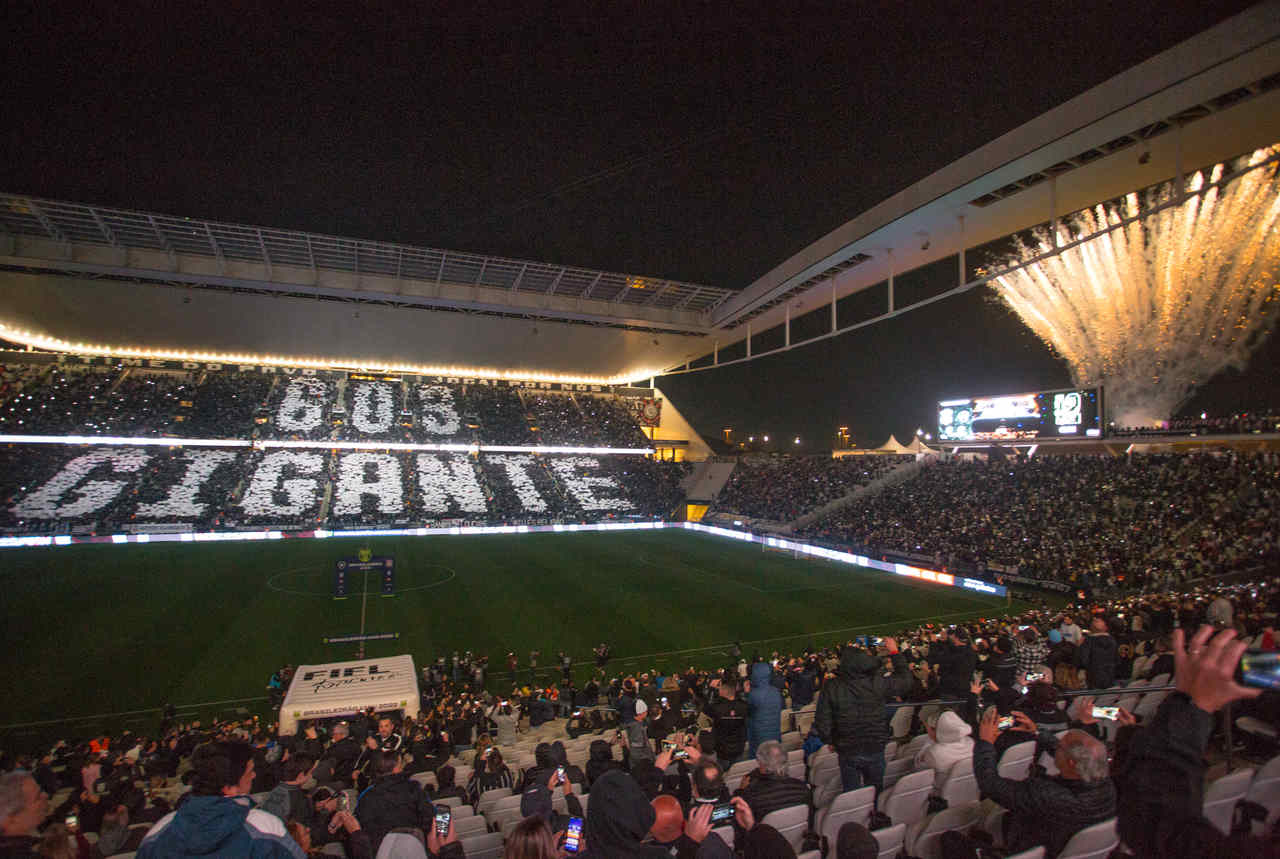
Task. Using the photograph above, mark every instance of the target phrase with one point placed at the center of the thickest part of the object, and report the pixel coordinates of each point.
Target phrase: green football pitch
(100, 631)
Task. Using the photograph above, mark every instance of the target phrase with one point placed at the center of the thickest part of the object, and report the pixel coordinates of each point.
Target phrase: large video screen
(1043, 414)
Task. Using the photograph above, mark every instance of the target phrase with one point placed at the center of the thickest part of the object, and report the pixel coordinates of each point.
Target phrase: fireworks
(1150, 306)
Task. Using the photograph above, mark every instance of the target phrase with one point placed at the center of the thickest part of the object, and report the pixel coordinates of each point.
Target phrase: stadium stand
(1117, 777)
(783, 488)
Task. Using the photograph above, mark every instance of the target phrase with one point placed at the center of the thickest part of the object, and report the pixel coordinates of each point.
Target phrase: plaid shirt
(1028, 656)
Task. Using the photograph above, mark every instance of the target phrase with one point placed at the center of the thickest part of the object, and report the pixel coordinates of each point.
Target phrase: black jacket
(1161, 783)
(343, 753)
(1097, 656)
(1044, 810)
(391, 801)
(729, 724)
(851, 712)
(766, 793)
(956, 664)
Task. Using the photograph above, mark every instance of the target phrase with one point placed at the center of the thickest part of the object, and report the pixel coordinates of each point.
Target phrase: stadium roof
(56, 236)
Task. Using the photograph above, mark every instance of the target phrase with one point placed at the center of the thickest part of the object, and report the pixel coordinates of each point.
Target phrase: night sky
(692, 141)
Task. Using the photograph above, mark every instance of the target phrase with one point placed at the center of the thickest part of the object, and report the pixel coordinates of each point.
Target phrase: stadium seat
(900, 723)
(826, 781)
(504, 819)
(905, 802)
(493, 796)
(792, 741)
(804, 721)
(784, 721)
(890, 840)
(960, 786)
(742, 767)
(465, 826)
(1016, 761)
(1092, 842)
(794, 755)
(1221, 796)
(924, 838)
(487, 845)
(795, 769)
(463, 810)
(451, 801)
(791, 823)
(890, 750)
(810, 854)
(854, 806)
(1265, 791)
(1033, 853)
(912, 748)
(896, 769)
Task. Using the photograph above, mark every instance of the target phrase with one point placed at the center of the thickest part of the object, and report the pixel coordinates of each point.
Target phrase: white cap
(641, 707)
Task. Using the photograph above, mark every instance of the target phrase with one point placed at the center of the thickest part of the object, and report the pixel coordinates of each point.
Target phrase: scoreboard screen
(1042, 414)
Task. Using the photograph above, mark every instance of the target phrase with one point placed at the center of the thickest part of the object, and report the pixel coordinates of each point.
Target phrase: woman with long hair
(494, 774)
(531, 839)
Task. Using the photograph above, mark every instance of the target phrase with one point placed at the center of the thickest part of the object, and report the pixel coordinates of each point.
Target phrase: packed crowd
(784, 488)
(55, 489)
(51, 399)
(1267, 420)
(1095, 521)
(923, 723)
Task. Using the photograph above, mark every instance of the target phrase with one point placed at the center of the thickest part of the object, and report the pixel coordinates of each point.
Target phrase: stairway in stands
(898, 475)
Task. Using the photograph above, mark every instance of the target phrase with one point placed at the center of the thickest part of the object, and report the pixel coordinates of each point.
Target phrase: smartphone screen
(1005, 723)
(1261, 668)
(442, 822)
(560, 774)
(72, 820)
(679, 754)
(573, 835)
(1106, 713)
(722, 812)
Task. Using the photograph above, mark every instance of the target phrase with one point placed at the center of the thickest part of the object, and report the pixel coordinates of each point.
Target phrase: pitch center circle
(300, 577)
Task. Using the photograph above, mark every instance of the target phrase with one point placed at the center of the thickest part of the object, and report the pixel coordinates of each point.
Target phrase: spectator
(392, 800)
(1097, 655)
(954, 660)
(851, 715)
(1070, 631)
(330, 824)
(342, 753)
(536, 801)
(531, 839)
(287, 800)
(1220, 612)
(620, 819)
(764, 703)
(213, 819)
(949, 743)
(637, 736)
(491, 774)
(1002, 666)
(1161, 779)
(600, 760)
(855, 841)
(728, 720)
(23, 807)
(768, 787)
(1046, 811)
(1029, 651)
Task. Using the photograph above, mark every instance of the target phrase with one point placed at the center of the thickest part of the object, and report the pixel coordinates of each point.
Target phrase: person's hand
(990, 685)
(1084, 710)
(890, 645)
(1205, 671)
(435, 842)
(663, 760)
(1024, 723)
(349, 821)
(1124, 717)
(742, 813)
(698, 827)
(975, 687)
(311, 733)
(693, 754)
(988, 729)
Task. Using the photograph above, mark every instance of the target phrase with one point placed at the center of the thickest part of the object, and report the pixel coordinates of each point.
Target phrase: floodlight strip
(265, 444)
(806, 549)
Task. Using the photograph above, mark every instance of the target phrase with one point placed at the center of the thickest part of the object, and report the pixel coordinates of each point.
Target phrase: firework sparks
(1152, 306)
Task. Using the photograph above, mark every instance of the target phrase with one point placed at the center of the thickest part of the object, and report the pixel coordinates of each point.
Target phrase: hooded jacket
(765, 704)
(219, 826)
(1097, 656)
(851, 714)
(620, 818)
(953, 744)
(391, 801)
(601, 760)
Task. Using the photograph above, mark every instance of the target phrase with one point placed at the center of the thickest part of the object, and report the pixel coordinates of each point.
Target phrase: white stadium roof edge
(72, 275)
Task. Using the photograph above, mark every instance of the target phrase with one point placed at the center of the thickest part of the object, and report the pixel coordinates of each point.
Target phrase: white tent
(347, 688)
(893, 446)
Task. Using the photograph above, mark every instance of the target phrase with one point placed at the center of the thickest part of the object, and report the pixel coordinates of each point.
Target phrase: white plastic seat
(1159, 680)
(1033, 853)
(810, 854)
(854, 806)
(804, 721)
(960, 786)
(924, 839)
(794, 755)
(792, 742)
(791, 823)
(826, 781)
(1265, 791)
(905, 802)
(1092, 842)
(1147, 707)
(490, 798)
(890, 840)
(1221, 796)
(784, 721)
(463, 810)
(503, 820)
(742, 767)
(900, 722)
(487, 845)
(890, 750)
(466, 826)
(507, 801)
(895, 770)
(795, 769)
(1015, 763)
(912, 747)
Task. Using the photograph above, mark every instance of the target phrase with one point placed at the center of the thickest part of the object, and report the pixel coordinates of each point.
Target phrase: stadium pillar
(833, 305)
(890, 257)
(715, 354)
(1053, 209)
(787, 332)
(748, 339)
(963, 278)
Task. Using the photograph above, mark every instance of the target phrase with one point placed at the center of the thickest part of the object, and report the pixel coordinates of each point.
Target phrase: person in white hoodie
(949, 742)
